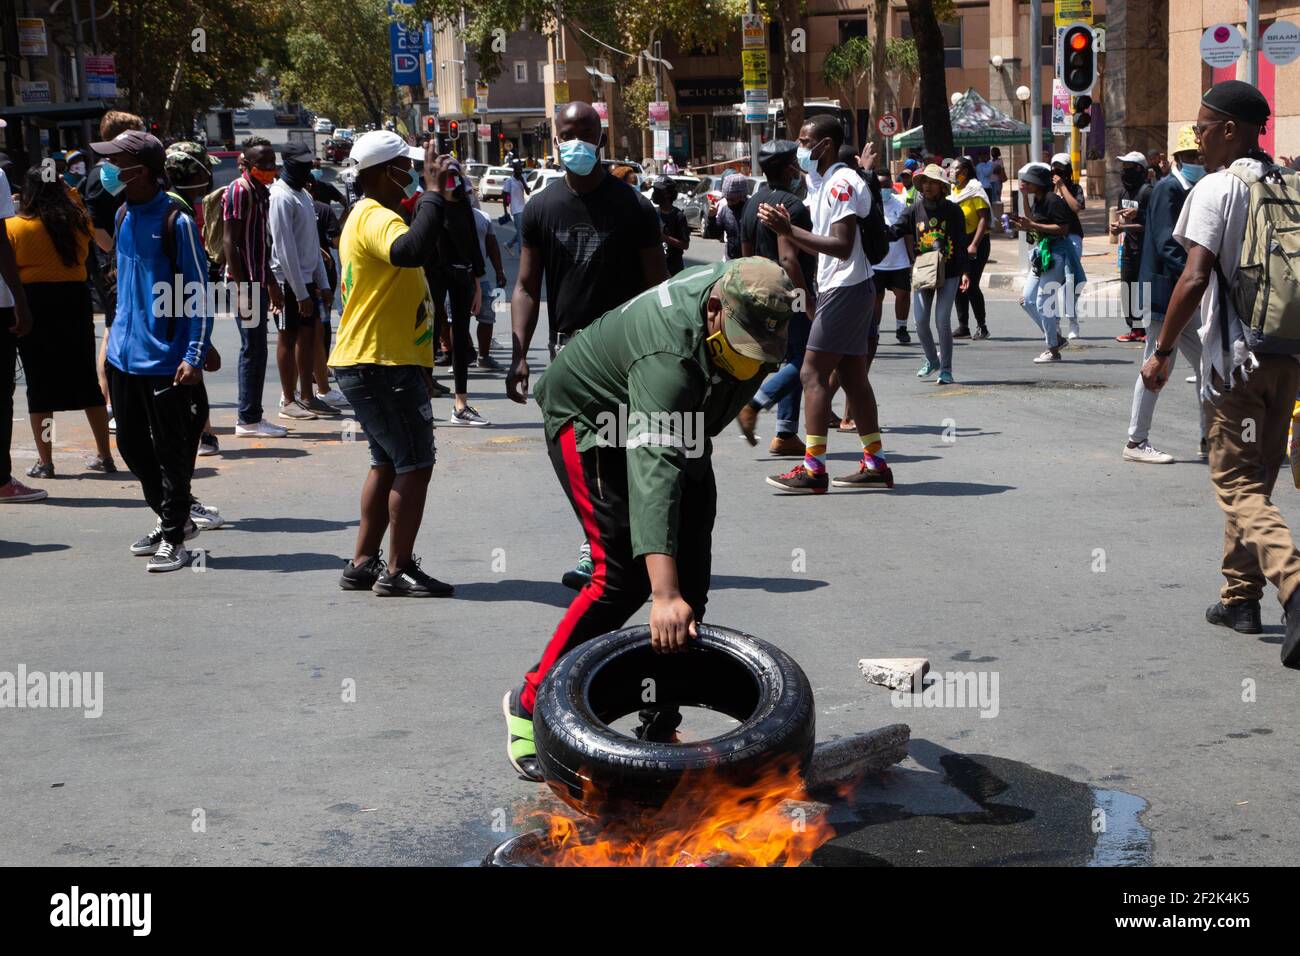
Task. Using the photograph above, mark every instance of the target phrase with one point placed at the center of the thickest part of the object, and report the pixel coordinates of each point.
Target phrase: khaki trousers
(1247, 437)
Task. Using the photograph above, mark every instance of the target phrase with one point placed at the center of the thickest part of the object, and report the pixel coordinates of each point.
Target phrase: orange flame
(707, 821)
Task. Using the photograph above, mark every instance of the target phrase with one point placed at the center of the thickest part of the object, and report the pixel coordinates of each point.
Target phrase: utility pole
(756, 129)
(1252, 42)
(1035, 83)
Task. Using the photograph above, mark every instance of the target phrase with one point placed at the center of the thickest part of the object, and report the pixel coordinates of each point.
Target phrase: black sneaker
(961, 332)
(800, 481)
(411, 581)
(520, 749)
(981, 333)
(1242, 617)
(168, 557)
(903, 337)
(659, 726)
(1291, 640)
(149, 543)
(866, 478)
(362, 578)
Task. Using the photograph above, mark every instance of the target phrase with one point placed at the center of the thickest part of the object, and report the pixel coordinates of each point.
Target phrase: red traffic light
(1078, 42)
(429, 124)
(455, 128)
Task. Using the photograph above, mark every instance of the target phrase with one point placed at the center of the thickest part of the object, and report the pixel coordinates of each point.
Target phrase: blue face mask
(805, 159)
(412, 184)
(110, 176)
(578, 156)
(1192, 171)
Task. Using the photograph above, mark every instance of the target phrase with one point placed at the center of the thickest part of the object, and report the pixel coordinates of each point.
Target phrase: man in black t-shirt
(1072, 195)
(598, 243)
(777, 161)
(676, 233)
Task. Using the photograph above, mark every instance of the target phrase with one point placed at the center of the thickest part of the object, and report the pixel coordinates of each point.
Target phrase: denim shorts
(391, 403)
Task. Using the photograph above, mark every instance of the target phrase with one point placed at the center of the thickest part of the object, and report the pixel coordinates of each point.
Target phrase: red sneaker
(15, 491)
(1132, 335)
(800, 481)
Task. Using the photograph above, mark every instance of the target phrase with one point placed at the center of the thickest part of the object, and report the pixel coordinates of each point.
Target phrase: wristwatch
(1164, 353)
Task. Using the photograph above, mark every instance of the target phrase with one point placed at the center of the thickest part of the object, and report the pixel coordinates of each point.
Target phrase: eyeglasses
(1199, 129)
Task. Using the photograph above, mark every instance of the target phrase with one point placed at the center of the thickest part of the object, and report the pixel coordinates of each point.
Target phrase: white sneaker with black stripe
(150, 543)
(206, 518)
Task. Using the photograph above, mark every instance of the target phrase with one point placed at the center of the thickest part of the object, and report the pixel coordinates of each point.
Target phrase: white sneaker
(1047, 356)
(203, 517)
(1074, 329)
(333, 397)
(1145, 453)
(112, 424)
(467, 416)
(1190, 378)
(262, 429)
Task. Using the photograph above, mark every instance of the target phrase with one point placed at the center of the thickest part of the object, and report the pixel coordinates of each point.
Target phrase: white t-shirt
(6, 210)
(1214, 216)
(893, 209)
(484, 227)
(516, 191)
(841, 193)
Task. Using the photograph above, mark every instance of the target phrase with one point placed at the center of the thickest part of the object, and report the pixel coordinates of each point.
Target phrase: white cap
(381, 146)
(1061, 159)
(1134, 157)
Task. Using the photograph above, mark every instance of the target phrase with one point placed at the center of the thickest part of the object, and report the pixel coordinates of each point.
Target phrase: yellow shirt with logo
(387, 312)
(970, 209)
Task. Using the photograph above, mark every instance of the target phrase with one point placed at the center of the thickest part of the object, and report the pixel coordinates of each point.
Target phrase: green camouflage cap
(187, 157)
(757, 302)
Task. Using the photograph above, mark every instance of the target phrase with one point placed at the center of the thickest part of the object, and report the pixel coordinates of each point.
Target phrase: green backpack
(1266, 290)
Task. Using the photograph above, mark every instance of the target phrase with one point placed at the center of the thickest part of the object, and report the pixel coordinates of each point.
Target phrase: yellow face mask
(739, 367)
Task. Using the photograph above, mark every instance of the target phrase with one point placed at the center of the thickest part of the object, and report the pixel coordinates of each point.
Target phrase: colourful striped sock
(871, 452)
(814, 458)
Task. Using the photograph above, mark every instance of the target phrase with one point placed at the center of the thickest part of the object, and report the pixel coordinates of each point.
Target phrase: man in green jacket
(630, 406)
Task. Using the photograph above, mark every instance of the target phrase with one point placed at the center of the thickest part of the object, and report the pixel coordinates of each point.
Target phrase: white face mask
(77, 169)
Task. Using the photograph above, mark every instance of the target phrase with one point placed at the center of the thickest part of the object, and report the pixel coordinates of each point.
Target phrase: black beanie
(1238, 100)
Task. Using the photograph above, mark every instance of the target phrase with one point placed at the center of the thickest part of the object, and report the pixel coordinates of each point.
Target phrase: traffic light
(1082, 116)
(1079, 53)
(430, 124)
(454, 130)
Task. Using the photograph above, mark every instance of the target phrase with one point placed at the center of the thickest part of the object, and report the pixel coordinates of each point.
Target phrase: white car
(544, 178)
(324, 125)
(489, 186)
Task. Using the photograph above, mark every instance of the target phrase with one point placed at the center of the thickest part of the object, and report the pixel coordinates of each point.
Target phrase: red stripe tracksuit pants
(596, 484)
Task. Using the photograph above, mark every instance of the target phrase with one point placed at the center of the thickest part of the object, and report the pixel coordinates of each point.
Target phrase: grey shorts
(844, 319)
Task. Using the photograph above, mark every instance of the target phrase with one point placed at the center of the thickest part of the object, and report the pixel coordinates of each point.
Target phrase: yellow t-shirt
(970, 208)
(387, 312)
(38, 260)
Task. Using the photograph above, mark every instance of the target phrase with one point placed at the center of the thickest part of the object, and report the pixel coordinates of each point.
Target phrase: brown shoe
(748, 420)
(789, 447)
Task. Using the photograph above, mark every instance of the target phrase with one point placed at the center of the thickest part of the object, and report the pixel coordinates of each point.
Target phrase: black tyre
(724, 670)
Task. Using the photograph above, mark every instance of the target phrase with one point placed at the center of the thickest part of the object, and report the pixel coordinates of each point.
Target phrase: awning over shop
(56, 112)
(975, 122)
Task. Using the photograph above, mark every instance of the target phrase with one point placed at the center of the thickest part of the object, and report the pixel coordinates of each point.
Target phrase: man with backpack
(246, 251)
(841, 326)
(1250, 332)
(156, 354)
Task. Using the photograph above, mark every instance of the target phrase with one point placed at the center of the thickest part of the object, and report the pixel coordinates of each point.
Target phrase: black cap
(776, 147)
(296, 153)
(133, 142)
(1238, 100)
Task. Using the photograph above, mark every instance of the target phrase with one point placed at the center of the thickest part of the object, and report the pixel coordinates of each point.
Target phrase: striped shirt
(247, 201)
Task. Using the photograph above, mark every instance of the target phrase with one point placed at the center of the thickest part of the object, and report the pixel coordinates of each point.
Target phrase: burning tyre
(597, 770)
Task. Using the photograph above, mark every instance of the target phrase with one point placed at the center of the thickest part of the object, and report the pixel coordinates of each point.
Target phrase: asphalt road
(224, 690)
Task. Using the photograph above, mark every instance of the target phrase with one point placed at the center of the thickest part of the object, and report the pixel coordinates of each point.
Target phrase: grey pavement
(224, 689)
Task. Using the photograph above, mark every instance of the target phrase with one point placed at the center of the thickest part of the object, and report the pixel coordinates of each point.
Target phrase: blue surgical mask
(804, 158)
(1192, 171)
(109, 176)
(412, 184)
(578, 156)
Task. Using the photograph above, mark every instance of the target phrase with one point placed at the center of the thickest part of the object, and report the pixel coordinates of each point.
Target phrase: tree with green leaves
(339, 52)
(178, 59)
(846, 68)
(935, 118)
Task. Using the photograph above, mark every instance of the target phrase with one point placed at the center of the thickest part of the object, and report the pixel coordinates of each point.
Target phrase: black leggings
(460, 285)
(974, 296)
